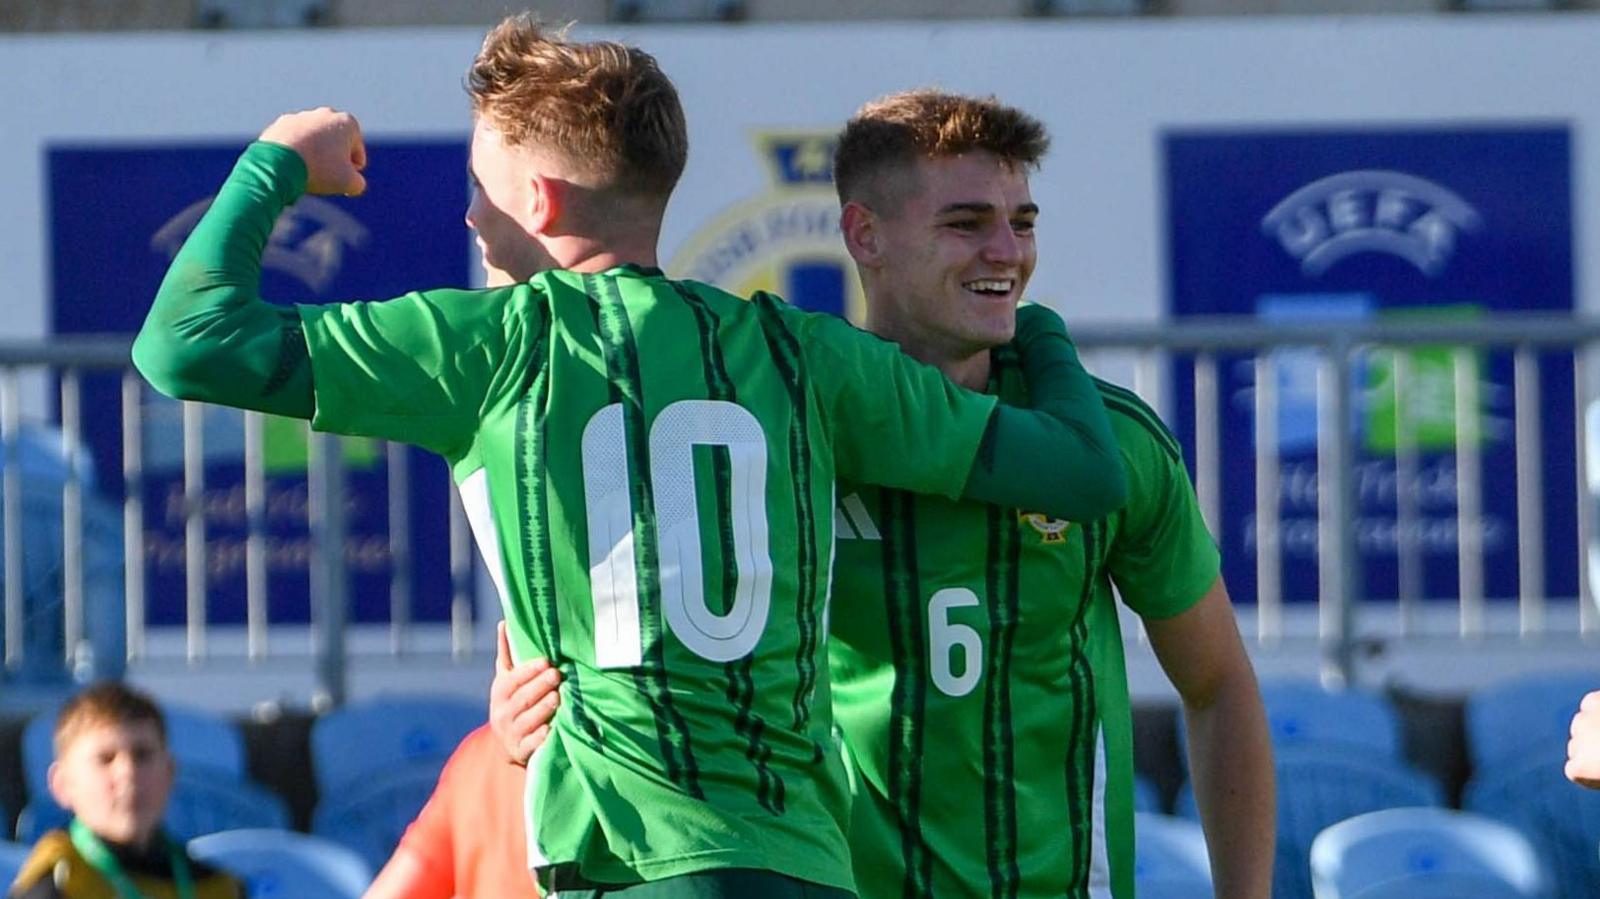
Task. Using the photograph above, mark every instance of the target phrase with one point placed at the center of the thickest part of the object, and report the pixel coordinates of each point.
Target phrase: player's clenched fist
(330, 143)
(1583, 750)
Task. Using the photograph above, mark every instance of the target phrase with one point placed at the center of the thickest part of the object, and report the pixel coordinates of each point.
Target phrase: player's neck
(586, 255)
(971, 372)
(959, 364)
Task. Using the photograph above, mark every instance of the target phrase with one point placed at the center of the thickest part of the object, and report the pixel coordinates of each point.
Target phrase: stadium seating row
(1339, 757)
(272, 863)
(1396, 853)
(1393, 854)
(374, 764)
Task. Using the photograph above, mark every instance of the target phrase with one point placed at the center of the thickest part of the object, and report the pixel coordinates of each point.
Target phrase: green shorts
(727, 883)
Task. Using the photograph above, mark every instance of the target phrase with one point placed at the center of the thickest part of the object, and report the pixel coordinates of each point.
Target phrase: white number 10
(614, 581)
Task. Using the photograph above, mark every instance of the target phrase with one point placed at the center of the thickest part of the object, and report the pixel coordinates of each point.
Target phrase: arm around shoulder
(1061, 457)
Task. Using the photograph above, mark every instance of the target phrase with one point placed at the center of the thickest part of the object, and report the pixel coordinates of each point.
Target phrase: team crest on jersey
(785, 241)
(1052, 530)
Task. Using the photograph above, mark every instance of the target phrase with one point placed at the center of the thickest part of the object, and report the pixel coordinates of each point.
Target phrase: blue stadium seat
(281, 864)
(1452, 886)
(1146, 797)
(1510, 721)
(200, 742)
(1415, 847)
(39, 816)
(352, 743)
(1560, 819)
(1302, 711)
(1321, 784)
(202, 802)
(370, 815)
(1169, 858)
(12, 855)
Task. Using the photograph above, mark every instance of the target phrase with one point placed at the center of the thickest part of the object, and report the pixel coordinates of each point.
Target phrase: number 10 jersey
(649, 465)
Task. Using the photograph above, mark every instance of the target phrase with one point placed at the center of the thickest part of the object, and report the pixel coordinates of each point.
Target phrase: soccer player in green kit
(652, 462)
(985, 703)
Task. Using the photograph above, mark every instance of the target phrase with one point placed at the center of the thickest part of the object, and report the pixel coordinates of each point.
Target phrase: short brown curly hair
(888, 135)
(606, 107)
(105, 703)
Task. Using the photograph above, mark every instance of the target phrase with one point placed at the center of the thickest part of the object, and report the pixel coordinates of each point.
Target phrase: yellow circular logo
(786, 241)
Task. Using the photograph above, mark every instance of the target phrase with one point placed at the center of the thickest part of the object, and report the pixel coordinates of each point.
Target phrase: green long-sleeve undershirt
(210, 337)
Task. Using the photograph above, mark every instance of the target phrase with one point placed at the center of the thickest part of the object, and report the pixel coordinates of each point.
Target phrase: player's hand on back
(522, 700)
(1583, 750)
(330, 143)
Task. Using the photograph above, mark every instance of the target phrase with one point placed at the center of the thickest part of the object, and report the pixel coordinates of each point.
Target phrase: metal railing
(34, 377)
(1340, 348)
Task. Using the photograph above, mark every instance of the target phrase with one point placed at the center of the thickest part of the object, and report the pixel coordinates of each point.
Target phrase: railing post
(1591, 458)
(1336, 555)
(330, 585)
(1269, 504)
(15, 608)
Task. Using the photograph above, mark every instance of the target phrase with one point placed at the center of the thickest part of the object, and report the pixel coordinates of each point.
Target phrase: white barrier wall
(1106, 89)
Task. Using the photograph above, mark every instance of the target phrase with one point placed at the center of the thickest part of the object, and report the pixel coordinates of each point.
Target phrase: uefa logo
(1371, 211)
(308, 243)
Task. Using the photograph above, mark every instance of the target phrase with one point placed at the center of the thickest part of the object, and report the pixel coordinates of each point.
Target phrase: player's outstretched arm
(1583, 750)
(1068, 459)
(522, 700)
(209, 336)
(1230, 749)
(899, 423)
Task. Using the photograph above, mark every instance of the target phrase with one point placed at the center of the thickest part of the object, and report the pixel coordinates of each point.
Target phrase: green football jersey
(979, 679)
(652, 457)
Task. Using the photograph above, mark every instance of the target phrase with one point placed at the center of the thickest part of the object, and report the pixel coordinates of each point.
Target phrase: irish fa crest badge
(1052, 530)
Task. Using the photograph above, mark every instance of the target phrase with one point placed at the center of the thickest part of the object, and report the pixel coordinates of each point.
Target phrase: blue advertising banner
(117, 216)
(1342, 224)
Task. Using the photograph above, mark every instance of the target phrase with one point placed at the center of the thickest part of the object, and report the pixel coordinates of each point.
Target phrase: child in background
(113, 771)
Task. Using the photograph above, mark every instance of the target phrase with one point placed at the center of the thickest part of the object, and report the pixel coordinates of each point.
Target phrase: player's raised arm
(903, 424)
(208, 335)
(416, 369)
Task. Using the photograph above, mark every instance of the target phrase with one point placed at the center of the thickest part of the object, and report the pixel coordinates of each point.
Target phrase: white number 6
(945, 635)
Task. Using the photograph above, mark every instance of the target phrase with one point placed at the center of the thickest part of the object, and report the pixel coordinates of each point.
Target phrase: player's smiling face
(958, 254)
(501, 194)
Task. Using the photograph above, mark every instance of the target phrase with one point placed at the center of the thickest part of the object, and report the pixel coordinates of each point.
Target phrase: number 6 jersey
(979, 681)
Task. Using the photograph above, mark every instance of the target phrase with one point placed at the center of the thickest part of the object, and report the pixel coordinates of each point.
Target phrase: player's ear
(862, 237)
(56, 778)
(545, 202)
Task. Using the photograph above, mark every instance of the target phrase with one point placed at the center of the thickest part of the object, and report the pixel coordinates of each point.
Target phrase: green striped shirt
(979, 679)
(655, 458)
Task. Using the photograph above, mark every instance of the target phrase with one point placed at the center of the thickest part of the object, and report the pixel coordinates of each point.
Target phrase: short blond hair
(605, 107)
(101, 704)
(882, 142)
